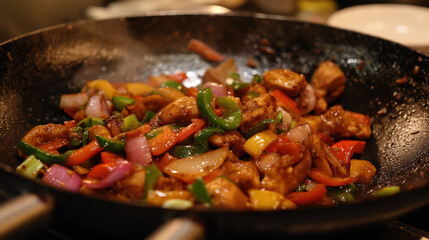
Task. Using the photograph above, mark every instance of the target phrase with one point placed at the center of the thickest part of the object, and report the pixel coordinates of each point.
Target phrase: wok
(37, 68)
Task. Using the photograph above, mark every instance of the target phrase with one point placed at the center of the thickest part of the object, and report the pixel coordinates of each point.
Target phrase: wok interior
(37, 69)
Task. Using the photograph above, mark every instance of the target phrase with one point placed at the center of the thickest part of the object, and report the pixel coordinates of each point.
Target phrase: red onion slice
(62, 177)
(138, 150)
(97, 107)
(73, 101)
(218, 89)
(309, 99)
(299, 133)
(119, 171)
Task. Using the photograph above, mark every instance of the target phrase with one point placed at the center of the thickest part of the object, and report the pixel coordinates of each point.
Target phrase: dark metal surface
(36, 69)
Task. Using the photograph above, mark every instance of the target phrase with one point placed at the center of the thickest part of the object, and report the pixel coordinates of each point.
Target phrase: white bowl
(405, 24)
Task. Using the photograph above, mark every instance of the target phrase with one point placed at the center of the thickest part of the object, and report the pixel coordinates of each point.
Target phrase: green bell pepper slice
(172, 84)
(259, 127)
(45, 157)
(111, 145)
(202, 138)
(90, 121)
(343, 194)
(198, 189)
(257, 78)
(152, 175)
(129, 123)
(30, 167)
(148, 115)
(119, 102)
(230, 120)
(184, 151)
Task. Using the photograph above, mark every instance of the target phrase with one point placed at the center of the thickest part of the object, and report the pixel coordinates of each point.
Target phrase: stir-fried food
(275, 143)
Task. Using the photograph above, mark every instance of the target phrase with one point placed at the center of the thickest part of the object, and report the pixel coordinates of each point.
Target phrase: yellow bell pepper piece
(255, 145)
(269, 200)
(139, 88)
(102, 85)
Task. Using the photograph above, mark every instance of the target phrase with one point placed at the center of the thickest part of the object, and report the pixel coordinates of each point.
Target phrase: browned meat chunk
(132, 186)
(361, 171)
(243, 173)
(256, 110)
(337, 123)
(226, 195)
(180, 111)
(154, 102)
(232, 139)
(221, 72)
(98, 130)
(113, 123)
(44, 133)
(328, 81)
(283, 178)
(287, 80)
(138, 108)
(322, 157)
(169, 184)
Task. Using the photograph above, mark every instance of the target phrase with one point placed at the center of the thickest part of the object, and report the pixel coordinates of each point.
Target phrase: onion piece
(218, 89)
(299, 133)
(73, 101)
(97, 107)
(286, 118)
(119, 171)
(138, 150)
(62, 177)
(265, 161)
(191, 168)
(307, 100)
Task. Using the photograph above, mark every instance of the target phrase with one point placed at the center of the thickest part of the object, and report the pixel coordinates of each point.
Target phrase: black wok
(37, 68)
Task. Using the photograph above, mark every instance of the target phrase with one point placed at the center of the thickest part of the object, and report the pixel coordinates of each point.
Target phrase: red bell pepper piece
(108, 157)
(285, 99)
(205, 51)
(70, 123)
(285, 147)
(192, 92)
(321, 177)
(54, 145)
(84, 153)
(316, 194)
(343, 150)
(178, 77)
(101, 170)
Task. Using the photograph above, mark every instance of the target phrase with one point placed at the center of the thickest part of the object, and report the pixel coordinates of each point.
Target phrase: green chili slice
(152, 175)
(148, 116)
(45, 157)
(260, 126)
(198, 189)
(111, 145)
(119, 102)
(90, 121)
(184, 151)
(230, 120)
(257, 78)
(202, 138)
(387, 191)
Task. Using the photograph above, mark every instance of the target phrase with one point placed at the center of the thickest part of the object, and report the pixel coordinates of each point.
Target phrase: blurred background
(23, 16)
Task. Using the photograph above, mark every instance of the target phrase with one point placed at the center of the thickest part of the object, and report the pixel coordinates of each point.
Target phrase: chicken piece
(256, 110)
(328, 81)
(337, 123)
(255, 88)
(158, 197)
(169, 184)
(138, 108)
(243, 173)
(180, 111)
(113, 123)
(132, 185)
(323, 157)
(154, 102)
(313, 121)
(361, 171)
(221, 72)
(98, 130)
(44, 133)
(226, 195)
(283, 178)
(231, 139)
(287, 80)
